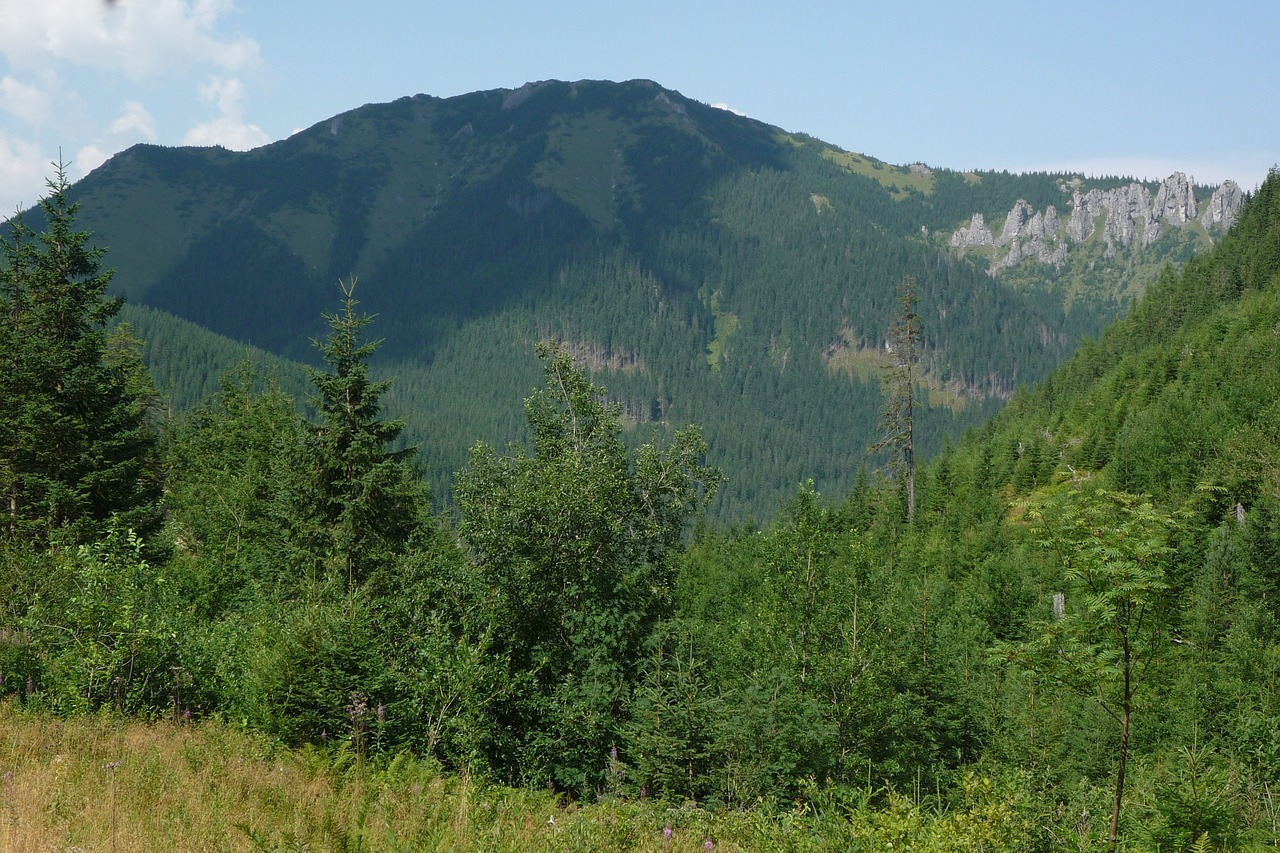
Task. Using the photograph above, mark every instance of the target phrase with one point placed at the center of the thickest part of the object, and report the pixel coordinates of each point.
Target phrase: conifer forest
(1052, 627)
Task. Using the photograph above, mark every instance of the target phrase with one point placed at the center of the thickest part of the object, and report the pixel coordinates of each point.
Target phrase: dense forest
(1070, 637)
(706, 267)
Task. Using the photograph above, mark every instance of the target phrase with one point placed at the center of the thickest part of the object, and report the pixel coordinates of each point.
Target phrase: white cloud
(727, 108)
(140, 38)
(22, 170)
(31, 104)
(135, 119)
(58, 57)
(134, 124)
(229, 129)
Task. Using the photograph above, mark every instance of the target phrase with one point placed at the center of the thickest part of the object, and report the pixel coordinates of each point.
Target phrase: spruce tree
(366, 498)
(898, 422)
(76, 441)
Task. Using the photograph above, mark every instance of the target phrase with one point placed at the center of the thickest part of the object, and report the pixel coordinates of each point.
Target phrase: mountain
(708, 267)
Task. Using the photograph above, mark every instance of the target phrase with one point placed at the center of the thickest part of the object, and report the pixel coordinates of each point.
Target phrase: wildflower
(708, 845)
(666, 832)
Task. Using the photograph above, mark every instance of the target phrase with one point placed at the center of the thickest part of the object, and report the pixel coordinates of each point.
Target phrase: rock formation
(975, 234)
(1131, 214)
(1224, 206)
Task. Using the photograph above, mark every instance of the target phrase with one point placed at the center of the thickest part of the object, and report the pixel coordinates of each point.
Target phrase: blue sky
(1120, 87)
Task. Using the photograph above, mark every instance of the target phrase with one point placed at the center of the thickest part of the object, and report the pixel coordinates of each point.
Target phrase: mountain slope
(709, 267)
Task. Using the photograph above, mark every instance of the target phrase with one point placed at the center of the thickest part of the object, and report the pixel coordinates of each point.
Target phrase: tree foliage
(76, 439)
(1115, 551)
(365, 497)
(898, 423)
(576, 542)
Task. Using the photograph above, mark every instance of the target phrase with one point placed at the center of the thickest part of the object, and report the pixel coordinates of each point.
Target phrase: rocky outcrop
(1175, 203)
(1224, 206)
(1032, 235)
(1175, 200)
(1015, 222)
(976, 233)
(1131, 214)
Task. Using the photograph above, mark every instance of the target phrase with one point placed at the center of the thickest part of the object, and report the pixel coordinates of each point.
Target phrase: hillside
(1073, 643)
(707, 267)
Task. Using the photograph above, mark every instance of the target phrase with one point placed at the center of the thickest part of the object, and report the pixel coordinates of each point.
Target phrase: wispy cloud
(133, 125)
(229, 129)
(139, 38)
(21, 162)
(49, 44)
(29, 103)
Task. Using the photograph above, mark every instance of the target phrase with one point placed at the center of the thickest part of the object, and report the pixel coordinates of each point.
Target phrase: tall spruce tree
(77, 446)
(897, 424)
(367, 498)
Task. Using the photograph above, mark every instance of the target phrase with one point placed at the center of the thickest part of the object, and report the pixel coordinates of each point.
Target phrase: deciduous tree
(1114, 549)
(575, 542)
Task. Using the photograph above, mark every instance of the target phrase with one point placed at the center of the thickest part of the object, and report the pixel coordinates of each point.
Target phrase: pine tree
(76, 441)
(366, 498)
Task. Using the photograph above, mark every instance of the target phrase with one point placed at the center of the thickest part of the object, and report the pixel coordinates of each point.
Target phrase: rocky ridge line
(1132, 214)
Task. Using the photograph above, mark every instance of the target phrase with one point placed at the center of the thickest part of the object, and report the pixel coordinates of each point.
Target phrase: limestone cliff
(1131, 217)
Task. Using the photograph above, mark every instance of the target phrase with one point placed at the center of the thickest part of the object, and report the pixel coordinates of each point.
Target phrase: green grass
(865, 364)
(727, 324)
(898, 179)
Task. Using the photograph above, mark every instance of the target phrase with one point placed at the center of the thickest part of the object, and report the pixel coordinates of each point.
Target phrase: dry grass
(104, 784)
(93, 784)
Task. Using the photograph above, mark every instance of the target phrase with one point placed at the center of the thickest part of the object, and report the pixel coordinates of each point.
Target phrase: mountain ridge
(720, 270)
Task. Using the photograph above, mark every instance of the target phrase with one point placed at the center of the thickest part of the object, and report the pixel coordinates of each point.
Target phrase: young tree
(897, 425)
(231, 480)
(1114, 549)
(366, 499)
(575, 541)
(76, 441)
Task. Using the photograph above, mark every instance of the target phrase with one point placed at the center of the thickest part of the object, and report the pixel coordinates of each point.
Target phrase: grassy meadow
(102, 783)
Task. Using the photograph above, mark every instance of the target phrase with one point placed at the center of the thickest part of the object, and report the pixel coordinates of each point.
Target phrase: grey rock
(975, 234)
(1126, 207)
(1131, 214)
(1080, 226)
(1224, 206)
(1175, 200)
(1051, 222)
(1013, 223)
